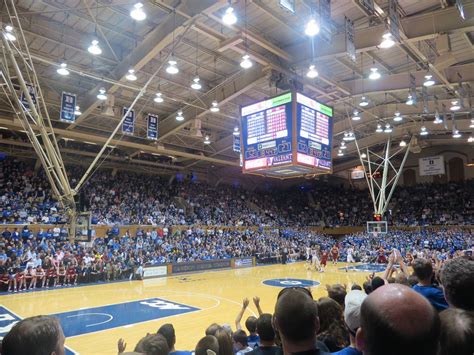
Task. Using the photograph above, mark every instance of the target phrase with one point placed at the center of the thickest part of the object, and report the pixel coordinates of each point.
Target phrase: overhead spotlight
(131, 75)
(62, 70)
(379, 128)
(428, 80)
(206, 140)
(340, 153)
(236, 131)
(343, 145)
(102, 95)
(397, 116)
(246, 63)
(388, 128)
(312, 72)
(9, 33)
(196, 85)
(77, 111)
(349, 136)
(94, 48)
(437, 119)
(470, 139)
(374, 75)
(409, 101)
(158, 98)
(455, 105)
(364, 102)
(423, 131)
(456, 133)
(363, 155)
(172, 67)
(472, 123)
(179, 116)
(355, 115)
(229, 17)
(137, 13)
(312, 28)
(403, 143)
(214, 106)
(387, 41)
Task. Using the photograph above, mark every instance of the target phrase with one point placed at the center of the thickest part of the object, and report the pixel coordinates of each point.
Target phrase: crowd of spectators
(127, 198)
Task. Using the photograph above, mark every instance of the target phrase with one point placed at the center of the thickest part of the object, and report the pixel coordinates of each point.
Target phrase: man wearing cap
(352, 304)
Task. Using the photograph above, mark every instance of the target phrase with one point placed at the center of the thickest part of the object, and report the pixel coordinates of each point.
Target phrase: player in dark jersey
(324, 259)
(30, 278)
(335, 254)
(381, 258)
(51, 275)
(5, 280)
(20, 279)
(61, 275)
(40, 276)
(71, 275)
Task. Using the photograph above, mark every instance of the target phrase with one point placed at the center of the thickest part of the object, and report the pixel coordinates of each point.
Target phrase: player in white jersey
(350, 257)
(316, 264)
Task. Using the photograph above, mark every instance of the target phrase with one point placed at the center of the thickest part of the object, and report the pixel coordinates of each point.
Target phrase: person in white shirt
(240, 342)
(350, 256)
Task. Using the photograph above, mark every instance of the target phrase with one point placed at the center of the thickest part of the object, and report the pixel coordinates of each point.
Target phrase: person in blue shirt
(423, 270)
(6, 233)
(167, 330)
(15, 234)
(251, 323)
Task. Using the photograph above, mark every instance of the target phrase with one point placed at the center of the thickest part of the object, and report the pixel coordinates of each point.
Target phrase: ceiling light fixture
(179, 116)
(455, 105)
(246, 63)
(379, 128)
(206, 140)
(437, 119)
(403, 143)
(340, 153)
(62, 70)
(423, 131)
(472, 123)
(355, 115)
(94, 48)
(470, 139)
(456, 133)
(236, 131)
(343, 145)
(409, 101)
(349, 136)
(312, 72)
(195, 84)
(428, 80)
(9, 33)
(158, 98)
(137, 13)
(374, 75)
(131, 75)
(312, 28)
(398, 117)
(387, 129)
(214, 106)
(364, 102)
(229, 17)
(363, 155)
(172, 67)
(102, 95)
(77, 111)
(387, 41)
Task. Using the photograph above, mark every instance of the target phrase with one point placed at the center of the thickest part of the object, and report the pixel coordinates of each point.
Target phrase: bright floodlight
(374, 75)
(312, 72)
(196, 85)
(403, 143)
(102, 95)
(398, 117)
(428, 81)
(363, 155)
(131, 75)
(77, 111)
(206, 140)
(179, 116)
(62, 70)
(137, 13)
(246, 63)
(470, 139)
(236, 131)
(387, 129)
(9, 33)
(455, 105)
(94, 48)
(158, 98)
(312, 28)
(343, 145)
(387, 41)
(229, 17)
(214, 106)
(379, 128)
(364, 102)
(340, 153)
(356, 116)
(456, 134)
(172, 67)
(409, 101)
(423, 131)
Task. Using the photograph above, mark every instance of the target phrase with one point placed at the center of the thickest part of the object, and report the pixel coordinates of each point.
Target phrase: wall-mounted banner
(128, 125)
(393, 16)
(431, 165)
(24, 101)
(236, 144)
(350, 46)
(152, 127)
(68, 106)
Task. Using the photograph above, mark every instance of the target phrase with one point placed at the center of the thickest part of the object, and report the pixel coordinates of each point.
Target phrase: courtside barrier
(155, 271)
(200, 266)
(244, 262)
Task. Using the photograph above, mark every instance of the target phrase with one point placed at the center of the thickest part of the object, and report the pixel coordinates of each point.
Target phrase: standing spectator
(457, 332)
(423, 270)
(240, 342)
(332, 331)
(457, 279)
(267, 336)
(167, 330)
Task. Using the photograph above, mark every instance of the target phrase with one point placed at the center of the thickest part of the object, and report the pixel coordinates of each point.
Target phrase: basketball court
(94, 317)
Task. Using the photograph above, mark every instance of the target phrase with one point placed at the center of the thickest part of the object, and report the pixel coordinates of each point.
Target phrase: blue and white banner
(68, 106)
(236, 144)
(128, 125)
(350, 45)
(24, 101)
(152, 127)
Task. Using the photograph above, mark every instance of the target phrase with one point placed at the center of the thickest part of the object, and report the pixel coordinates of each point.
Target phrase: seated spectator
(457, 279)
(207, 346)
(267, 336)
(40, 335)
(250, 323)
(337, 293)
(457, 332)
(296, 321)
(332, 331)
(423, 270)
(167, 330)
(152, 344)
(224, 338)
(396, 320)
(376, 283)
(240, 342)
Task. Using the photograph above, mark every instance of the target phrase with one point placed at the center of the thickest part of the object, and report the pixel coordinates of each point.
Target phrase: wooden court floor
(217, 295)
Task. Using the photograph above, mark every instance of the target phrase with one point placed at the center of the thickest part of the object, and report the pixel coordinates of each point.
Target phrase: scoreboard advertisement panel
(314, 132)
(267, 132)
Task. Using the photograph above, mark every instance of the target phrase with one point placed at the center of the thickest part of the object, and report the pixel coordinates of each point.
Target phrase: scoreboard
(286, 136)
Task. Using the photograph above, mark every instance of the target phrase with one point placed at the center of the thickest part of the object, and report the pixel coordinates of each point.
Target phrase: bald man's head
(397, 320)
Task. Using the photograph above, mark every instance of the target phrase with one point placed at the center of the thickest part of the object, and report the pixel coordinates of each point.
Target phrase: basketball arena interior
(220, 177)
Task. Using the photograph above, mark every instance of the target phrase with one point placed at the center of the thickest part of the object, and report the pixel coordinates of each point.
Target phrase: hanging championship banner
(350, 45)
(24, 101)
(68, 106)
(236, 144)
(393, 16)
(431, 165)
(325, 17)
(368, 5)
(128, 125)
(424, 95)
(152, 127)
(413, 89)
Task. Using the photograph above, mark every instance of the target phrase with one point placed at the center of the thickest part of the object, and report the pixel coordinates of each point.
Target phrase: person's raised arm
(403, 266)
(245, 304)
(121, 345)
(256, 302)
(389, 267)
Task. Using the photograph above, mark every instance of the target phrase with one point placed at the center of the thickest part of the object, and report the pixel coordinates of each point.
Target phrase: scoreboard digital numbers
(286, 136)
(266, 132)
(314, 132)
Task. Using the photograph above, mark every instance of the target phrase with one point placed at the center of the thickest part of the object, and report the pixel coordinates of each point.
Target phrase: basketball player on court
(315, 260)
(335, 254)
(324, 259)
(350, 252)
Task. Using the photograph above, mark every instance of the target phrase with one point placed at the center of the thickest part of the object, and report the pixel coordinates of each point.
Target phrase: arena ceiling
(434, 40)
